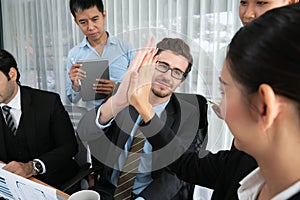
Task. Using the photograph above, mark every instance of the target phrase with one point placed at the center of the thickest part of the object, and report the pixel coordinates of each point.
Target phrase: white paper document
(14, 187)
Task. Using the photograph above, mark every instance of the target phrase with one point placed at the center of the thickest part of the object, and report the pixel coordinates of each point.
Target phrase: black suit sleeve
(165, 183)
(61, 135)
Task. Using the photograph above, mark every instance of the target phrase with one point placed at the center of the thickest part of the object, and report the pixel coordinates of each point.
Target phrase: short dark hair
(178, 46)
(7, 61)
(267, 50)
(80, 5)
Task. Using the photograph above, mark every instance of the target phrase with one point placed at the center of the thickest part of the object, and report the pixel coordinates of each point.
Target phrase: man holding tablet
(97, 44)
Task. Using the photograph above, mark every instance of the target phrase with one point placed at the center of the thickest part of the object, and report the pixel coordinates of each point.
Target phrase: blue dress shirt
(119, 54)
(142, 179)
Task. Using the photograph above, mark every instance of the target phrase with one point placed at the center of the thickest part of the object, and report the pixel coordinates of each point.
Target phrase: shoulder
(38, 94)
(76, 48)
(123, 44)
(189, 101)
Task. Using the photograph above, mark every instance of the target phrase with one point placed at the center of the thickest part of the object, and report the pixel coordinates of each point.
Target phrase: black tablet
(94, 69)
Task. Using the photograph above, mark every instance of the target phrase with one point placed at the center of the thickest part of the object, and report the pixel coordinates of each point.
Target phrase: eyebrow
(163, 63)
(94, 17)
(222, 81)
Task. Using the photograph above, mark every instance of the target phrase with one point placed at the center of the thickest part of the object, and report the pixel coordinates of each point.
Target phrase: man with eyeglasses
(146, 93)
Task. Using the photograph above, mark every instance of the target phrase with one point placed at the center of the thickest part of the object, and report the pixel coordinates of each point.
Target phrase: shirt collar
(158, 109)
(15, 103)
(110, 40)
(289, 192)
(252, 183)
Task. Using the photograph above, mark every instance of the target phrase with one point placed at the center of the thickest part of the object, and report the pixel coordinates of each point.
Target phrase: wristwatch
(37, 166)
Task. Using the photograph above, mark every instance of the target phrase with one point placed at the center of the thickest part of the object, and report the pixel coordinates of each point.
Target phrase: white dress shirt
(15, 110)
(253, 182)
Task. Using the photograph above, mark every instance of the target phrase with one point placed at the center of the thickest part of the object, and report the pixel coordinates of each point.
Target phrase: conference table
(60, 194)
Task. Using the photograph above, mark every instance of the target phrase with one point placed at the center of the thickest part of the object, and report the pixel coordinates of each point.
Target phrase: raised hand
(140, 86)
(121, 97)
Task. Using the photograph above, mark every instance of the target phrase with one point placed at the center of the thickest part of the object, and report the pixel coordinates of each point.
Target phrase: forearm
(109, 109)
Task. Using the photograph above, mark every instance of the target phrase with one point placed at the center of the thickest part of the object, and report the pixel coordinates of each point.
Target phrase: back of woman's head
(267, 50)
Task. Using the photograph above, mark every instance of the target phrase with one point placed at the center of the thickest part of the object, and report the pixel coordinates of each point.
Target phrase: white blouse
(253, 182)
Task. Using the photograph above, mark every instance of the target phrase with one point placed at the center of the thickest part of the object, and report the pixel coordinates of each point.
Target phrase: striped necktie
(9, 119)
(130, 169)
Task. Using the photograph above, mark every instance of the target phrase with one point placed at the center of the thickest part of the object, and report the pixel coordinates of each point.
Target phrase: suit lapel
(127, 125)
(172, 112)
(29, 119)
(3, 155)
(120, 135)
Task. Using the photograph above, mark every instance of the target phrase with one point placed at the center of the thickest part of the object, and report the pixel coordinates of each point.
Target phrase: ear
(293, 1)
(75, 21)
(104, 14)
(180, 84)
(268, 106)
(13, 73)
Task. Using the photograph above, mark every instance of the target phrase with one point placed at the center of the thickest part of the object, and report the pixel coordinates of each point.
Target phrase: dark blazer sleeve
(49, 130)
(181, 121)
(221, 172)
(165, 185)
(186, 164)
(64, 141)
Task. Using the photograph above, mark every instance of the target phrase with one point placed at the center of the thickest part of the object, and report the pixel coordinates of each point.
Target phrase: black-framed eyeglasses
(216, 108)
(175, 73)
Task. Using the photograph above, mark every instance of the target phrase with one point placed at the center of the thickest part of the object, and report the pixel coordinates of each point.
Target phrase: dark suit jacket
(49, 135)
(221, 172)
(181, 119)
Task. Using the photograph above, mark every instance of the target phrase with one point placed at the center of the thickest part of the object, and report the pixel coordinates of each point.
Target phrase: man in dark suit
(36, 135)
(158, 77)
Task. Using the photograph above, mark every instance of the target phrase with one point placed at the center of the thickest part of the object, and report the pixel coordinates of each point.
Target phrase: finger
(155, 59)
(76, 65)
(80, 71)
(133, 84)
(136, 62)
(149, 57)
(77, 72)
(150, 43)
(79, 77)
(100, 86)
(104, 81)
(102, 91)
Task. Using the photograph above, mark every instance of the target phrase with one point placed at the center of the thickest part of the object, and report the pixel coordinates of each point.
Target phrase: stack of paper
(14, 187)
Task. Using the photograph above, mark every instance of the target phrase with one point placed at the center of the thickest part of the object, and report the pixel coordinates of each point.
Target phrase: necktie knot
(6, 109)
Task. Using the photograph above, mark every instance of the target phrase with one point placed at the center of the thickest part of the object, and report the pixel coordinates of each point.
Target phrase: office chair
(75, 113)
(201, 104)
(82, 157)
